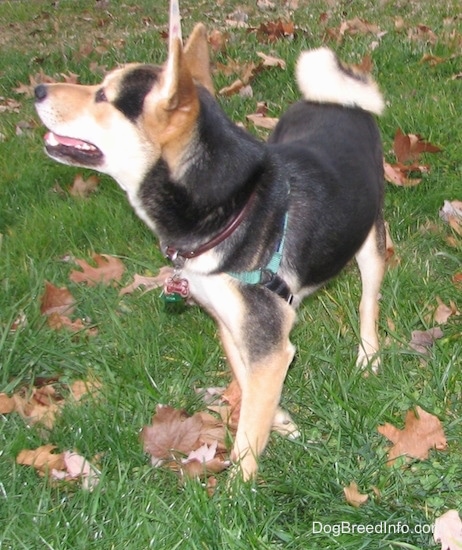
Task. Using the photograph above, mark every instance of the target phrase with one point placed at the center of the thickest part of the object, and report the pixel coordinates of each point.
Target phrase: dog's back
(330, 147)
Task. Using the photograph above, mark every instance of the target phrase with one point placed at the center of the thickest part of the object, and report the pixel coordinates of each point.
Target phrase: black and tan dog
(251, 227)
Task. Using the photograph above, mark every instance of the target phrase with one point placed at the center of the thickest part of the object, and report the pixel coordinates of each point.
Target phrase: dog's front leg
(259, 352)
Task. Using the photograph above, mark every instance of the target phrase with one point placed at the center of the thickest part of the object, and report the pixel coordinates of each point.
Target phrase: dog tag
(176, 289)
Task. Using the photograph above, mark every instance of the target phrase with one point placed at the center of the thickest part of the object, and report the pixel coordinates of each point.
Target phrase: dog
(251, 227)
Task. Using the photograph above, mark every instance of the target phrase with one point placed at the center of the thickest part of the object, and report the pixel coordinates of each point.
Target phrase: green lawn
(145, 355)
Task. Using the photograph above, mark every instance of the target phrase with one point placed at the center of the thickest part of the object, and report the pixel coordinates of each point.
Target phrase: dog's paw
(368, 362)
(284, 425)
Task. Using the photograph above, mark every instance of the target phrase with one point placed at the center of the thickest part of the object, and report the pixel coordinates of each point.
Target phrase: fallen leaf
(409, 147)
(262, 121)
(423, 340)
(443, 312)
(276, 30)
(353, 27)
(397, 174)
(422, 33)
(58, 322)
(451, 212)
(83, 188)
(84, 388)
(432, 60)
(448, 530)
(56, 300)
(149, 283)
(41, 404)
(76, 467)
(42, 459)
(270, 61)
(353, 496)
(7, 404)
(422, 432)
(108, 269)
(218, 40)
(172, 431)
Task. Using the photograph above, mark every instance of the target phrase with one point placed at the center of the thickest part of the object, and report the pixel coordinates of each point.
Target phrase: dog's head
(138, 114)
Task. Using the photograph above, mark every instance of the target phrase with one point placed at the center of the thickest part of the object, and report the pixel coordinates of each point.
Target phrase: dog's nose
(40, 92)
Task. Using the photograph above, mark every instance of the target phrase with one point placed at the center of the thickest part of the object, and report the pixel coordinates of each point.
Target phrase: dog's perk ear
(177, 90)
(196, 54)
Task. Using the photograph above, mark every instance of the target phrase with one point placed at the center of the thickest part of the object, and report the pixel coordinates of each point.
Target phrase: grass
(145, 355)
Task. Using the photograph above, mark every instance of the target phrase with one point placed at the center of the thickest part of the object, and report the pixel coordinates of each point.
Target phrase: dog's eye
(100, 96)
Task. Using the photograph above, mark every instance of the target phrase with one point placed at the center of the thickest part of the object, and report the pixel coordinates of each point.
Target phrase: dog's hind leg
(371, 263)
(260, 377)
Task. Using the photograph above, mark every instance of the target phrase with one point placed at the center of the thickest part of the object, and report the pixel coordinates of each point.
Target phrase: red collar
(172, 253)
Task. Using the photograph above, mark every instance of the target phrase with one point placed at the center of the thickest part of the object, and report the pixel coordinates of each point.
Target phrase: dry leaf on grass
(42, 459)
(191, 445)
(443, 312)
(108, 269)
(353, 496)
(56, 300)
(83, 188)
(66, 466)
(172, 431)
(423, 340)
(263, 121)
(276, 30)
(42, 404)
(423, 431)
(57, 304)
(451, 213)
(76, 467)
(408, 149)
(448, 530)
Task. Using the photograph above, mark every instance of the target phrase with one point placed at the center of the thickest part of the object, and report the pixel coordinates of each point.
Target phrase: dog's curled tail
(323, 78)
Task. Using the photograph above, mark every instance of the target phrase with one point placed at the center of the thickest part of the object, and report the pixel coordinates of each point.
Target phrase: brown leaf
(82, 388)
(149, 283)
(76, 467)
(448, 530)
(432, 60)
(275, 30)
(56, 300)
(451, 212)
(397, 174)
(42, 458)
(353, 27)
(218, 40)
(172, 431)
(270, 61)
(409, 147)
(353, 496)
(108, 269)
(42, 403)
(7, 404)
(83, 188)
(422, 432)
(263, 121)
(423, 340)
(443, 312)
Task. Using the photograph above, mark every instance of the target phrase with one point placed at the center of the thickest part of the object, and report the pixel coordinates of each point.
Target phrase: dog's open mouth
(72, 150)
